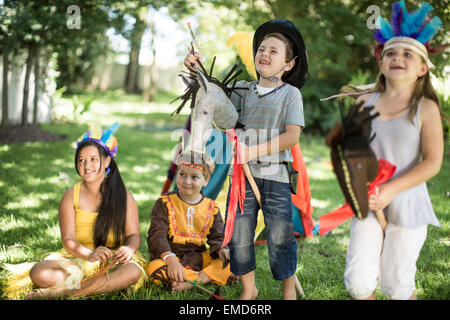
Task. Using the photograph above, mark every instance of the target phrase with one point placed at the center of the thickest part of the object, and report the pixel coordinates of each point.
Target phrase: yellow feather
(96, 132)
(243, 42)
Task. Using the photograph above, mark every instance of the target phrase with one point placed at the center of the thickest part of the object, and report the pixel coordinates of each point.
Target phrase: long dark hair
(113, 207)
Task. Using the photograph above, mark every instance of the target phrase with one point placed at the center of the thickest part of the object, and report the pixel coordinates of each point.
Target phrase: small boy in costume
(182, 223)
(270, 116)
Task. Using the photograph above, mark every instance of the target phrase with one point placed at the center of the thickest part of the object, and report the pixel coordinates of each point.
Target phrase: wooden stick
(299, 287)
(212, 294)
(255, 189)
(252, 182)
(381, 219)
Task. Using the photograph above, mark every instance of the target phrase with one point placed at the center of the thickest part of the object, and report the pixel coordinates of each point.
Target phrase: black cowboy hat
(354, 161)
(296, 76)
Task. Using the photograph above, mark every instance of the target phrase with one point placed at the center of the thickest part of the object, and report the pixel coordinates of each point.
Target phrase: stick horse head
(354, 162)
(210, 104)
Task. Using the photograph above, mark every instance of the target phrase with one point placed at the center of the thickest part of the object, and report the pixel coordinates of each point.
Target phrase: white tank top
(398, 141)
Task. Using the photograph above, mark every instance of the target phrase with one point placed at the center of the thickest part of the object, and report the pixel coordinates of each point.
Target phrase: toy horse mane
(193, 86)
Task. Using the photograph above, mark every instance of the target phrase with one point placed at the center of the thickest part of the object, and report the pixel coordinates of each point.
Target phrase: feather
(422, 13)
(94, 132)
(416, 25)
(110, 131)
(379, 37)
(397, 17)
(385, 29)
(84, 137)
(429, 30)
(414, 21)
(243, 42)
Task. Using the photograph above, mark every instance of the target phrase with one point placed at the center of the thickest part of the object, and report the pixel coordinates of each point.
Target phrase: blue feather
(422, 13)
(397, 17)
(86, 135)
(429, 30)
(385, 28)
(414, 21)
(110, 131)
(408, 20)
(379, 37)
(415, 25)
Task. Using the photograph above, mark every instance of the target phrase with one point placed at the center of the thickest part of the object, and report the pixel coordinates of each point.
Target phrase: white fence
(112, 76)
(16, 76)
(106, 76)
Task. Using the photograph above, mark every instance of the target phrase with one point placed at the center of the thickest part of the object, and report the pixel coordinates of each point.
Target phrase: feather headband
(195, 166)
(105, 138)
(412, 30)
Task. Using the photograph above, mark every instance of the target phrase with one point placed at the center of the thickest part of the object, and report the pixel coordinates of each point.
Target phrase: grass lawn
(33, 177)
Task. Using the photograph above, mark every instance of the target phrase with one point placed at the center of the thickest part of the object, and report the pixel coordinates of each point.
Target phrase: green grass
(33, 177)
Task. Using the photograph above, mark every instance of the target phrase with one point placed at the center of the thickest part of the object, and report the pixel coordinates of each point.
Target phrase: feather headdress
(105, 138)
(413, 30)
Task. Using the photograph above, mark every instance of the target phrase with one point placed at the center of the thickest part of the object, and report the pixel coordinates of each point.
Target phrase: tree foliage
(339, 43)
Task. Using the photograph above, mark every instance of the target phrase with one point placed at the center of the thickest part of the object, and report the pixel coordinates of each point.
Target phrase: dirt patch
(30, 133)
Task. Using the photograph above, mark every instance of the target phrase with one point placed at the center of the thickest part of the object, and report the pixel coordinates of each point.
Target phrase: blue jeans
(277, 211)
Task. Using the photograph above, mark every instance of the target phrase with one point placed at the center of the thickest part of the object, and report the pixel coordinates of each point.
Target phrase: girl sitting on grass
(99, 226)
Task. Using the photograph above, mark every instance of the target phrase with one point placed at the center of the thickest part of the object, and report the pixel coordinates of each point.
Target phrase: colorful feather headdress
(105, 138)
(413, 30)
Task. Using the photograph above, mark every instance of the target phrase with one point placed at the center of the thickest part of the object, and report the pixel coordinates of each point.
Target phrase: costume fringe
(182, 239)
(18, 282)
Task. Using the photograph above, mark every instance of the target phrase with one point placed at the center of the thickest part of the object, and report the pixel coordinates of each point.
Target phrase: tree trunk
(131, 81)
(36, 85)
(26, 85)
(150, 87)
(5, 104)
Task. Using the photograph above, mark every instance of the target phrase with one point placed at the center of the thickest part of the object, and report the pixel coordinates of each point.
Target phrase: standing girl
(409, 135)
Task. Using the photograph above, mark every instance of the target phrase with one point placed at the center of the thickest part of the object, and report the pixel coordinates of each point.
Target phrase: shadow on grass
(34, 176)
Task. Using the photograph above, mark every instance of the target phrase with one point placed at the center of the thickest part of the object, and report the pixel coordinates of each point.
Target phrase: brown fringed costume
(186, 230)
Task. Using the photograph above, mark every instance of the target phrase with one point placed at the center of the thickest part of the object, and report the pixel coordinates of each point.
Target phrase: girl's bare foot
(46, 293)
(180, 286)
(203, 278)
(34, 295)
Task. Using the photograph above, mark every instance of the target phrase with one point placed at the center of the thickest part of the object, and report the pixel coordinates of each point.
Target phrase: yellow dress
(19, 284)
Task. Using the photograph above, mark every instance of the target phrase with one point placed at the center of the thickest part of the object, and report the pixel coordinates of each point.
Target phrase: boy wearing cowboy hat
(270, 119)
